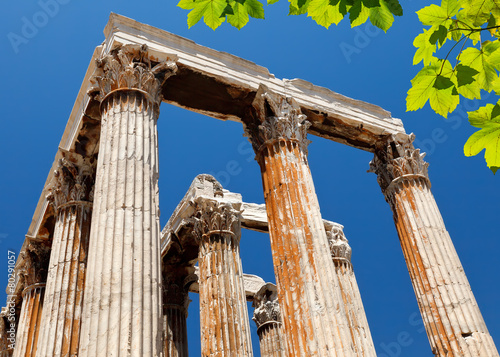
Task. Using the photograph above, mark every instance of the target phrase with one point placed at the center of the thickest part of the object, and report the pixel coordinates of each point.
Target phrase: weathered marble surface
(451, 316)
(315, 324)
(267, 317)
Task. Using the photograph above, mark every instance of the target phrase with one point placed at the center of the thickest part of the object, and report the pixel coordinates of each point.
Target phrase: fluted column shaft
(308, 288)
(71, 194)
(122, 291)
(34, 265)
(351, 296)
(271, 340)
(7, 336)
(8, 327)
(122, 300)
(451, 316)
(267, 317)
(64, 293)
(176, 343)
(29, 321)
(175, 304)
(225, 327)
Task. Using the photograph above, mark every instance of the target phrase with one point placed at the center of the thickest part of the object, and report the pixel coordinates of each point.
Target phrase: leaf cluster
(325, 12)
(215, 12)
(460, 52)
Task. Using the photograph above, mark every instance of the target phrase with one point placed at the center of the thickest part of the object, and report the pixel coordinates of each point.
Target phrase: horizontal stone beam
(252, 283)
(254, 217)
(216, 84)
(223, 86)
(178, 227)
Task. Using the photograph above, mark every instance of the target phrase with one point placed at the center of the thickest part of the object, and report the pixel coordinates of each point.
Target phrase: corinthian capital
(175, 292)
(130, 67)
(267, 308)
(396, 159)
(276, 118)
(339, 245)
(73, 180)
(35, 266)
(215, 217)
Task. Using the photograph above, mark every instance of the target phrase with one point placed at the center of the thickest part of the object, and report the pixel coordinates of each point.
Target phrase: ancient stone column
(452, 319)
(71, 194)
(122, 299)
(8, 326)
(175, 311)
(4, 334)
(36, 261)
(225, 327)
(351, 297)
(267, 317)
(308, 288)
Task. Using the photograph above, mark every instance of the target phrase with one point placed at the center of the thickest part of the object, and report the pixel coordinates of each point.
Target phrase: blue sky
(42, 75)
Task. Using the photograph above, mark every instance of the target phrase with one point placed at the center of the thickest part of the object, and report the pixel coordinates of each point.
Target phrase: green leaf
(467, 84)
(489, 139)
(453, 32)
(324, 13)
(496, 86)
(242, 9)
(425, 49)
(359, 12)
(432, 15)
(466, 24)
(195, 15)
(362, 17)
(394, 7)
(371, 3)
(465, 74)
(492, 23)
(228, 10)
(450, 7)
(434, 84)
(381, 16)
(254, 8)
(478, 59)
(355, 10)
(187, 4)
(270, 2)
(210, 10)
(240, 17)
(440, 34)
(494, 19)
(443, 83)
(492, 51)
(484, 116)
(488, 119)
(478, 11)
(296, 10)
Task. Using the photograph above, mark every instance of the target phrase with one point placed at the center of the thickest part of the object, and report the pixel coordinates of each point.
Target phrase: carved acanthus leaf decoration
(339, 245)
(396, 159)
(73, 180)
(280, 119)
(175, 293)
(267, 308)
(214, 217)
(129, 67)
(36, 263)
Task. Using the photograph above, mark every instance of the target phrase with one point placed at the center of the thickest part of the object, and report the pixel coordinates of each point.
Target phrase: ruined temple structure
(97, 277)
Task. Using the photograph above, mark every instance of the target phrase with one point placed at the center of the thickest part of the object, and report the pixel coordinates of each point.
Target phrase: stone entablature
(215, 77)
